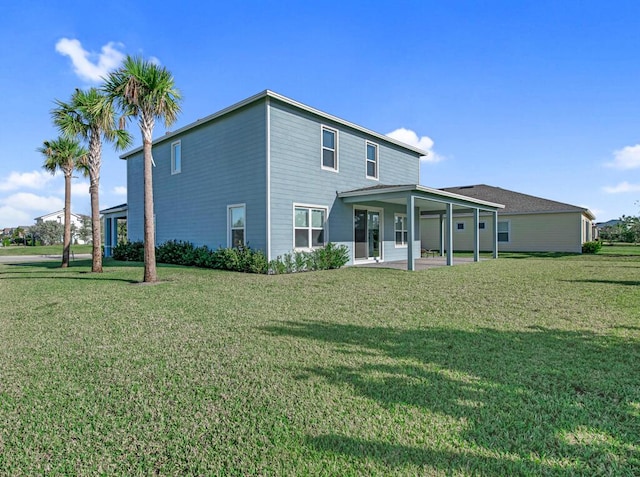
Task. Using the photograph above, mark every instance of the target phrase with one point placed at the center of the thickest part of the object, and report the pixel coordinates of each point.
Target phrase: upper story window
(176, 157)
(236, 234)
(482, 225)
(372, 161)
(329, 149)
(460, 226)
(309, 224)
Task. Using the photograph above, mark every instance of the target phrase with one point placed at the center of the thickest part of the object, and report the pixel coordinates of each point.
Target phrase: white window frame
(458, 228)
(310, 228)
(508, 222)
(230, 227)
(404, 231)
(174, 169)
(335, 149)
(367, 160)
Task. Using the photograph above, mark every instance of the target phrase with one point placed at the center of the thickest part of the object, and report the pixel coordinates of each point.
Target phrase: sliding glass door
(367, 234)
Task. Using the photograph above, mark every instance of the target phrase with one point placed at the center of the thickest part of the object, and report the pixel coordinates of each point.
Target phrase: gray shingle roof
(515, 202)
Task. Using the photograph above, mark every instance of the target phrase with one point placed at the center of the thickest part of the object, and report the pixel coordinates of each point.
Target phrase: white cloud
(120, 190)
(423, 142)
(626, 158)
(32, 180)
(13, 217)
(154, 60)
(79, 189)
(27, 201)
(622, 188)
(91, 66)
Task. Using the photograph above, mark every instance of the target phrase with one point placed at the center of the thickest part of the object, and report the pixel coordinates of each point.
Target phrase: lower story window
(503, 231)
(401, 230)
(309, 227)
(237, 215)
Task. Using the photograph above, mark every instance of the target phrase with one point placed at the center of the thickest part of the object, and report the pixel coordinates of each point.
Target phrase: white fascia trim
(268, 145)
(270, 94)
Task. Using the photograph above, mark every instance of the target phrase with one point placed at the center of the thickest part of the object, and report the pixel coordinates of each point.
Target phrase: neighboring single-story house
(58, 216)
(526, 224)
(282, 176)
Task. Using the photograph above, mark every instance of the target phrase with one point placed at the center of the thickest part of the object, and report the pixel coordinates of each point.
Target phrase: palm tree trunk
(66, 241)
(96, 266)
(150, 273)
(95, 151)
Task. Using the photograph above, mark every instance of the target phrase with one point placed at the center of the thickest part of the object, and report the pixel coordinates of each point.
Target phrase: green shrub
(176, 252)
(129, 251)
(240, 259)
(591, 247)
(328, 257)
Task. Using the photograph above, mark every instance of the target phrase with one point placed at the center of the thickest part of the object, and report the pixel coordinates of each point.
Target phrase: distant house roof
(516, 202)
(291, 102)
(55, 214)
(115, 208)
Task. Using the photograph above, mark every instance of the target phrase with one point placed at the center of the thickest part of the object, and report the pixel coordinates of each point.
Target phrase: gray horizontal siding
(223, 163)
(297, 175)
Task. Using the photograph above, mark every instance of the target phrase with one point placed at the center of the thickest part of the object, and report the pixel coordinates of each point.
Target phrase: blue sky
(538, 97)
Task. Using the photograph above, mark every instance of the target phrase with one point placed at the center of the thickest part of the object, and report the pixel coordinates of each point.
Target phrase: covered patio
(423, 263)
(417, 199)
(111, 218)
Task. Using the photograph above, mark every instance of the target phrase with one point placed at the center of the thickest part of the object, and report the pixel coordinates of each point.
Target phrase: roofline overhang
(270, 94)
(586, 212)
(435, 194)
(117, 208)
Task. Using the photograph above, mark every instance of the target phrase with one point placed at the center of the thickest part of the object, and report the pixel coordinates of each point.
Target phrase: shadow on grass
(521, 255)
(539, 401)
(607, 282)
(33, 270)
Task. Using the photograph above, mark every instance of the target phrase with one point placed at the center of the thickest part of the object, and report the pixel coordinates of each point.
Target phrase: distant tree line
(627, 230)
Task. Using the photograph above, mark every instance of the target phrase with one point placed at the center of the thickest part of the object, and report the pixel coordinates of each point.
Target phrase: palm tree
(66, 155)
(146, 91)
(90, 117)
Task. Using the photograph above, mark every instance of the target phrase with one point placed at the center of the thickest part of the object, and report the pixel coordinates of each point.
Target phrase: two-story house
(281, 176)
(77, 221)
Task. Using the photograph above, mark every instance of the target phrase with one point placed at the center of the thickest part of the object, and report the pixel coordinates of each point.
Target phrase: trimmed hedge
(591, 247)
(240, 259)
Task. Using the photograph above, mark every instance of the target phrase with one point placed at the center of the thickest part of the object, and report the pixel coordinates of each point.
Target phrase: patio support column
(476, 235)
(495, 234)
(114, 234)
(411, 232)
(441, 221)
(449, 234)
(108, 230)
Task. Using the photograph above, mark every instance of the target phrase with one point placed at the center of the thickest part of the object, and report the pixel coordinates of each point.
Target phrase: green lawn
(17, 250)
(517, 366)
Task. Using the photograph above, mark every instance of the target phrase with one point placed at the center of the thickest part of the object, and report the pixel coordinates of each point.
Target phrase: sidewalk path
(39, 258)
